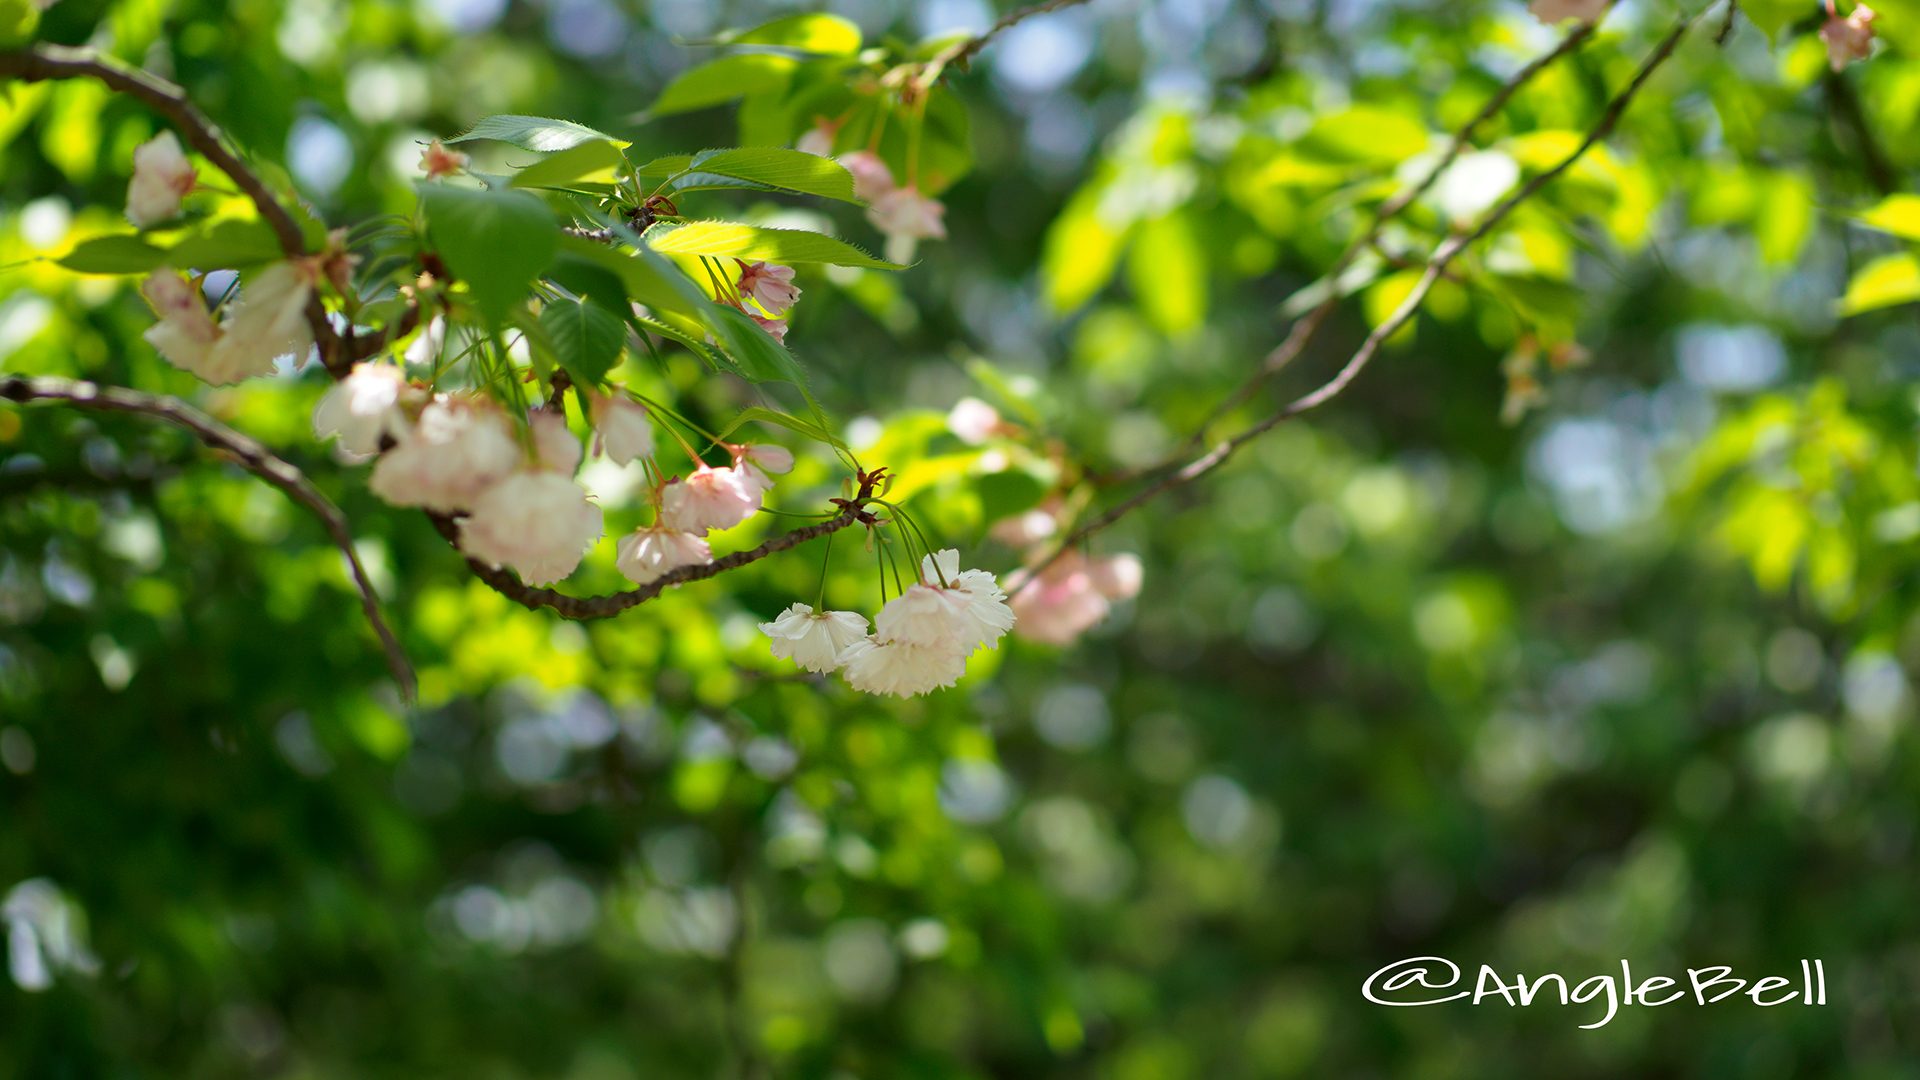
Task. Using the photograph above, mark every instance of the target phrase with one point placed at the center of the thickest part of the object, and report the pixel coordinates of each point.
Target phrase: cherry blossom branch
(961, 53)
(249, 453)
(1436, 266)
(43, 63)
(601, 607)
(1308, 325)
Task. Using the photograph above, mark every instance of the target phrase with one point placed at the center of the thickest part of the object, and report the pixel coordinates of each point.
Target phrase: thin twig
(961, 53)
(47, 62)
(1307, 325)
(1442, 257)
(249, 453)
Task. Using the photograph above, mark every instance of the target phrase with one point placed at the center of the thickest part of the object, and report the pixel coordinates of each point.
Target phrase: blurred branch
(601, 607)
(42, 63)
(1845, 106)
(961, 53)
(249, 453)
(1436, 266)
(1305, 327)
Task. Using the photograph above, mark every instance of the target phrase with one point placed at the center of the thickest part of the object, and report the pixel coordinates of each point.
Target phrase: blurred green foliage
(1630, 678)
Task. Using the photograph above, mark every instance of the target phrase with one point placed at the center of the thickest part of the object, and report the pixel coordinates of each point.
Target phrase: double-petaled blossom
(162, 176)
(988, 617)
(1554, 12)
(186, 332)
(871, 177)
(537, 523)
(921, 638)
(458, 448)
(758, 460)
(365, 409)
(709, 498)
(1072, 595)
(554, 447)
(814, 640)
(1848, 39)
(899, 669)
(437, 161)
(907, 217)
(623, 430)
(266, 322)
(770, 285)
(647, 555)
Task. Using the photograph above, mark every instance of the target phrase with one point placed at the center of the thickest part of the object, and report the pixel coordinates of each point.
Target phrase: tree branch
(42, 63)
(585, 608)
(1436, 265)
(251, 455)
(1308, 325)
(961, 53)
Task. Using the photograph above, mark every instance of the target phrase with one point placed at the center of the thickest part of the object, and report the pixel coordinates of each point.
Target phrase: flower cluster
(1072, 594)
(899, 211)
(267, 321)
(921, 638)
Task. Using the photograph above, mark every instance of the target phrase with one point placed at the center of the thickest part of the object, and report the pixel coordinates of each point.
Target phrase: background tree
(1625, 675)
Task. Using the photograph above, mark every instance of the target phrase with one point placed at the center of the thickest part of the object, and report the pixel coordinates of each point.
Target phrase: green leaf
(758, 415)
(756, 355)
(752, 242)
(1009, 492)
(779, 168)
(649, 279)
(725, 79)
(122, 253)
(827, 34)
(1082, 250)
(494, 241)
(1368, 133)
(1773, 16)
(534, 132)
(586, 339)
(1896, 214)
(1884, 282)
(1785, 219)
(595, 161)
(226, 245)
(1168, 271)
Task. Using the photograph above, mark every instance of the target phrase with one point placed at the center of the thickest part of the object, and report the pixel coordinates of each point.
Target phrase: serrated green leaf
(725, 79)
(779, 167)
(586, 339)
(540, 133)
(756, 355)
(752, 242)
(593, 161)
(494, 241)
(118, 254)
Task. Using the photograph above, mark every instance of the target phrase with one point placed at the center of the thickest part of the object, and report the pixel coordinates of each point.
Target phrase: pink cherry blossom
(973, 421)
(554, 447)
(930, 617)
(709, 498)
(1848, 39)
(647, 555)
(459, 447)
(186, 332)
(907, 217)
(437, 161)
(776, 327)
(364, 409)
(898, 668)
(1063, 604)
(623, 428)
(1118, 577)
(871, 177)
(818, 139)
(770, 285)
(536, 523)
(814, 640)
(162, 176)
